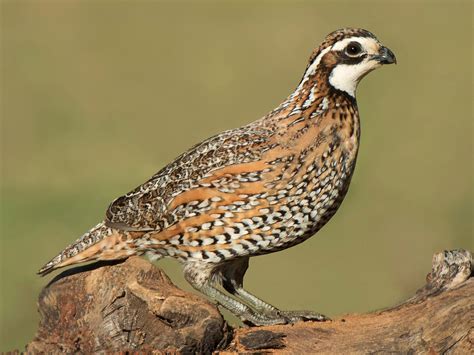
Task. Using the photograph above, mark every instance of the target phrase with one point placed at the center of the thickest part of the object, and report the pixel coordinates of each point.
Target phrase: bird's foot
(303, 316)
(263, 319)
(285, 317)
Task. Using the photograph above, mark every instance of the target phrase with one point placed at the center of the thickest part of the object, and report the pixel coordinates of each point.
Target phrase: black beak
(386, 56)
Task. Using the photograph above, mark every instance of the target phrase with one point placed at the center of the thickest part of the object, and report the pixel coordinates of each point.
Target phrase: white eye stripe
(365, 42)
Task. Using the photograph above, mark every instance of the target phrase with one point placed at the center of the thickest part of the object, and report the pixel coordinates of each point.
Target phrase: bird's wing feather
(147, 207)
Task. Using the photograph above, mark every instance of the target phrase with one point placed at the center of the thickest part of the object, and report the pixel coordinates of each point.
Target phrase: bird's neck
(315, 106)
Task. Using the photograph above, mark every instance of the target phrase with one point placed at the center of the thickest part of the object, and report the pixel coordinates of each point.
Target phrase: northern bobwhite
(249, 191)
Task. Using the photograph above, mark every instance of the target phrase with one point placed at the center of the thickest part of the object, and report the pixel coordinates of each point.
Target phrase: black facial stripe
(338, 92)
(345, 59)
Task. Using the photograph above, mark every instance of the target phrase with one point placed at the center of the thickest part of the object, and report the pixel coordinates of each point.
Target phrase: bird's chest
(316, 183)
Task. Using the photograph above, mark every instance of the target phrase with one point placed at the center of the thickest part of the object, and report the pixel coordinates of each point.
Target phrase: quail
(254, 190)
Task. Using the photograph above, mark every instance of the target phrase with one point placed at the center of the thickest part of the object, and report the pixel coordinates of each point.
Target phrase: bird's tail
(100, 243)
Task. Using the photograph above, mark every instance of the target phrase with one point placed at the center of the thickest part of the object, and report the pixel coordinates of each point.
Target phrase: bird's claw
(303, 316)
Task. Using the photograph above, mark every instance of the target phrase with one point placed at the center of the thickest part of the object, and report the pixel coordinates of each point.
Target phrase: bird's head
(345, 57)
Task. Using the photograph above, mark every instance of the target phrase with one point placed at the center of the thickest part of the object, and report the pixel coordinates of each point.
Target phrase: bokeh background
(96, 96)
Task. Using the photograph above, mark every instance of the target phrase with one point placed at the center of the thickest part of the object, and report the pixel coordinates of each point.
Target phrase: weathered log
(127, 306)
(438, 319)
(134, 306)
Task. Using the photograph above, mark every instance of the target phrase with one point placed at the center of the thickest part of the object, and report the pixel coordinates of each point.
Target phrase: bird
(253, 190)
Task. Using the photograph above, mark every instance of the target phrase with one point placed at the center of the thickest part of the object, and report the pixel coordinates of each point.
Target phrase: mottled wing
(148, 206)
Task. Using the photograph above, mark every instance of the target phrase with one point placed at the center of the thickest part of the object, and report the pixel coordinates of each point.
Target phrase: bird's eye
(353, 49)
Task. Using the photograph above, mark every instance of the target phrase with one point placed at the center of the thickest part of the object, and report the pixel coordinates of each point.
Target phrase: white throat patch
(345, 77)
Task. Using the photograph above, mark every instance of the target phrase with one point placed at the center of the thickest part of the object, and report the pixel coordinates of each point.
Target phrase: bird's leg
(201, 278)
(232, 280)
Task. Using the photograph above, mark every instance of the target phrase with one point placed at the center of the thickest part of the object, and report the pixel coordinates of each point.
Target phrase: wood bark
(133, 306)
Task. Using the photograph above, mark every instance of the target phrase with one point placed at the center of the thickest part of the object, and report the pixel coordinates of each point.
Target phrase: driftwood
(133, 306)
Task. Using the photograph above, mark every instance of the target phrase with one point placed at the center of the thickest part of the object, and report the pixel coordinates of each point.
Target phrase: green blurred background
(98, 95)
